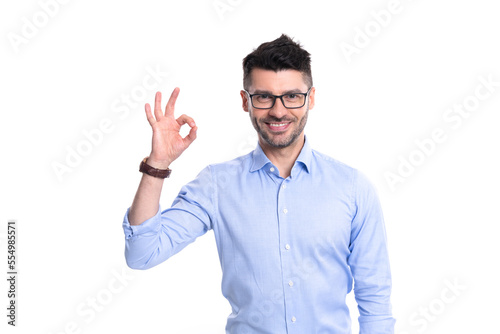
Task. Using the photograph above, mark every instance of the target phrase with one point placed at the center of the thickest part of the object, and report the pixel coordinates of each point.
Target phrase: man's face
(278, 127)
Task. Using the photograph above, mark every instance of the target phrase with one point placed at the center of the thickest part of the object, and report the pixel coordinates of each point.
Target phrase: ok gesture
(167, 143)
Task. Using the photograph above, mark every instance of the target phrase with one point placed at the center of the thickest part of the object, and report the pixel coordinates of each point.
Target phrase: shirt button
(285, 211)
(287, 246)
(272, 169)
(283, 186)
(294, 319)
(290, 283)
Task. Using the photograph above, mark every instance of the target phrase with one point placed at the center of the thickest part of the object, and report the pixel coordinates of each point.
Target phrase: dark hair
(281, 54)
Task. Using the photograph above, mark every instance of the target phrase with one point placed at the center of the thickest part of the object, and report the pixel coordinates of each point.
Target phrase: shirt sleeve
(169, 231)
(369, 261)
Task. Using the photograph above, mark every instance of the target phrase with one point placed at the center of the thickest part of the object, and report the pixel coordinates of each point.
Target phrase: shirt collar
(260, 159)
(305, 156)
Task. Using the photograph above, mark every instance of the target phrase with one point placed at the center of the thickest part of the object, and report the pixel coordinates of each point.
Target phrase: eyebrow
(291, 91)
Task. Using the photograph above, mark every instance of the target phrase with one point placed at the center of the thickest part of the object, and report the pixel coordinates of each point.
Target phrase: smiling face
(278, 127)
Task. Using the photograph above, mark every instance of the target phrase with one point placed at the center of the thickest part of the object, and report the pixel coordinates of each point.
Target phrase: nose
(278, 110)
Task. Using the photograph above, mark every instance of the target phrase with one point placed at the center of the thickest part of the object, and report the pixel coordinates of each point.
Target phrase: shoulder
(238, 161)
(328, 164)
(350, 177)
(231, 167)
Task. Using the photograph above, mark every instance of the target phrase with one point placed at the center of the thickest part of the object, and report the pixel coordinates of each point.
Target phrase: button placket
(287, 263)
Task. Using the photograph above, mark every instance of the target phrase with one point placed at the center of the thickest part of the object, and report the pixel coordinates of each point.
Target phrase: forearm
(167, 145)
(165, 232)
(373, 298)
(146, 200)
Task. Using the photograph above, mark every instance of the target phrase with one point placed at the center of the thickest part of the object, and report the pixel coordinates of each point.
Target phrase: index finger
(169, 109)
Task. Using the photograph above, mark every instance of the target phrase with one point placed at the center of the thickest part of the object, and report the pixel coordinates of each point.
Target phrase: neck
(284, 157)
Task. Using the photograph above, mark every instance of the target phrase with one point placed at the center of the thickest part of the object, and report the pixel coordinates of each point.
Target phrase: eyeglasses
(290, 100)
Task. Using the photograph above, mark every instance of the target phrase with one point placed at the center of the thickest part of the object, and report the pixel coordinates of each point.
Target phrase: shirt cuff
(151, 225)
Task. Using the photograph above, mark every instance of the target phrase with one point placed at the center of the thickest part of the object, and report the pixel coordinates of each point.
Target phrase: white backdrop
(407, 91)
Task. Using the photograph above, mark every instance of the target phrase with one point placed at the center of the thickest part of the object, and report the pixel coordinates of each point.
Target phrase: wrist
(148, 169)
(159, 164)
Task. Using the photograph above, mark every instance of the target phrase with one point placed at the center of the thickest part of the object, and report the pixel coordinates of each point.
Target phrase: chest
(264, 214)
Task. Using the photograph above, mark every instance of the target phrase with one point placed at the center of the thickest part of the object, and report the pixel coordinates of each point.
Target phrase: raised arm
(167, 145)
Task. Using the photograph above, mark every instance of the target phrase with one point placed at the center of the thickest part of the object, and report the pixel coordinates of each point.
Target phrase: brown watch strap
(160, 173)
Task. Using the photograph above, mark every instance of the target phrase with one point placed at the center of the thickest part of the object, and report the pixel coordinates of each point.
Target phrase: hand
(168, 144)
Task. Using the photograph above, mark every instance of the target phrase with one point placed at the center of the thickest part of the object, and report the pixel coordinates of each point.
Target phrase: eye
(291, 96)
(263, 97)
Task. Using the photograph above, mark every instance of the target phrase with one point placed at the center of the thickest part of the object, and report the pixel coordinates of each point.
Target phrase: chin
(279, 142)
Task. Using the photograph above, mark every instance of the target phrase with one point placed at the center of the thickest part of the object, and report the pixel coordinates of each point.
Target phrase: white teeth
(277, 125)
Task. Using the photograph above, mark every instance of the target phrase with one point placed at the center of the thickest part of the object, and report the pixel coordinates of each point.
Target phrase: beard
(278, 141)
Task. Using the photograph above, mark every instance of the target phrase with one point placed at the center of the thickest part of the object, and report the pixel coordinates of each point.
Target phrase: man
(293, 227)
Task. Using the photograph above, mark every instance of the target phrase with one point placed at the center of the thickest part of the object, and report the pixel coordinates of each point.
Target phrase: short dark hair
(281, 54)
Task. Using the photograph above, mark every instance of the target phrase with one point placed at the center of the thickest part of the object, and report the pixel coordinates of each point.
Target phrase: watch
(159, 173)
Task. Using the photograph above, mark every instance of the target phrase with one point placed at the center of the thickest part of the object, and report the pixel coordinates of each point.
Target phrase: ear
(311, 97)
(244, 100)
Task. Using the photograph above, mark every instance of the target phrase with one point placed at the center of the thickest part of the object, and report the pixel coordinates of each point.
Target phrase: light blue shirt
(290, 249)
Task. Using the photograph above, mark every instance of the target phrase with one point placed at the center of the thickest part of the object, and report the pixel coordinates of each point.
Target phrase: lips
(278, 127)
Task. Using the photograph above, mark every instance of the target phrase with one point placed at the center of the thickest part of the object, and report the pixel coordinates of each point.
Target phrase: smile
(278, 126)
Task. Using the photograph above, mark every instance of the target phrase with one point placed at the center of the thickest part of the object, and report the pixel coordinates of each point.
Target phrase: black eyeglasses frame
(280, 97)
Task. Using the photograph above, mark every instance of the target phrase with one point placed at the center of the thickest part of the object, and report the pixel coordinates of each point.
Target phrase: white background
(73, 72)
